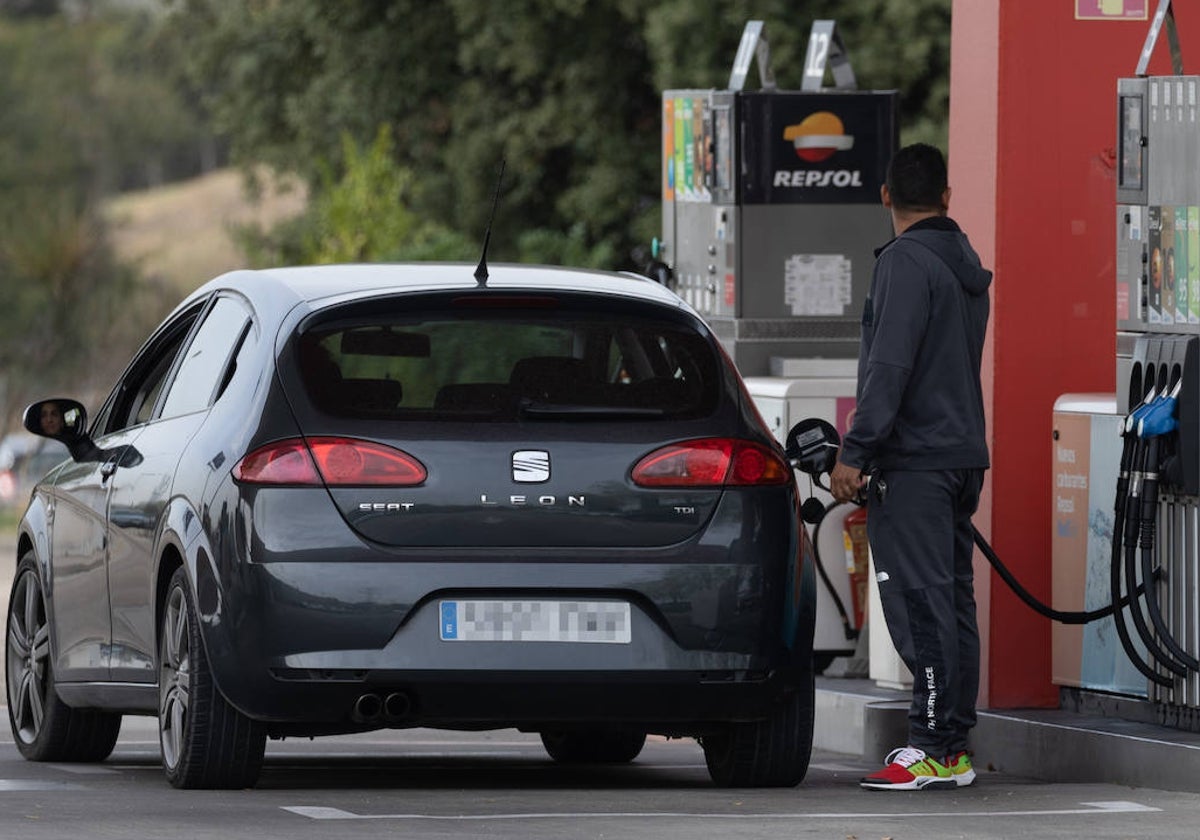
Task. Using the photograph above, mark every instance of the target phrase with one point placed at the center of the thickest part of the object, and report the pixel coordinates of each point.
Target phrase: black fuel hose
(1061, 616)
(1064, 616)
(1128, 452)
(847, 626)
(1135, 511)
(1146, 543)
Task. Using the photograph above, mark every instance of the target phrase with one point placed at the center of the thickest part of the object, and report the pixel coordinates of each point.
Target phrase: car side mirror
(59, 418)
(812, 446)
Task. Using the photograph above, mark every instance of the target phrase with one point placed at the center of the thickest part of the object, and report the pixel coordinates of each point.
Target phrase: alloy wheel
(28, 658)
(174, 678)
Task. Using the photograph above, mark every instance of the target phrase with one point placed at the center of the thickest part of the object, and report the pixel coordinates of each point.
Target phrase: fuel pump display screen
(723, 131)
(1132, 169)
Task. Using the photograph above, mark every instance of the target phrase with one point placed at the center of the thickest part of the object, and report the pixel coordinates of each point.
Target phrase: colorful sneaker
(909, 768)
(959, 765)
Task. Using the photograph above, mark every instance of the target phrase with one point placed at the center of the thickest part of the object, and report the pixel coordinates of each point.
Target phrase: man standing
(918, 432)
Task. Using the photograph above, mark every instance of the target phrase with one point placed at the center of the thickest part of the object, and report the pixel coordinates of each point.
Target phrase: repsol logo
(839, 178)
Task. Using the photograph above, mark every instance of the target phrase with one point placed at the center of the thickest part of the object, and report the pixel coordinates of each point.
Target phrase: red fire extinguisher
(854, 535)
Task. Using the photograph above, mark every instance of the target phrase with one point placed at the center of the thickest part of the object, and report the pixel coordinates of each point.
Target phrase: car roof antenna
(481, 272)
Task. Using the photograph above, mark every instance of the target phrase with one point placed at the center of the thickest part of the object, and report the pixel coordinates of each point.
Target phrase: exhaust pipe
(397, 707)
(367, 709)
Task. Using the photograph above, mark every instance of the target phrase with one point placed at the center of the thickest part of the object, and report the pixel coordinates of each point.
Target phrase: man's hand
(846, 482)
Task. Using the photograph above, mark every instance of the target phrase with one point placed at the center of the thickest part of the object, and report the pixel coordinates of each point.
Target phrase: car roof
(323, 284)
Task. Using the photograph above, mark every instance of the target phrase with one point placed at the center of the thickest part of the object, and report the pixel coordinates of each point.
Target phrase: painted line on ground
(11, 785)
(1092, 808)
(84, 769)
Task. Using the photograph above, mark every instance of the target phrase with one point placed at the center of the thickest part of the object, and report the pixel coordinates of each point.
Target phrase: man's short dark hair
(916, 178)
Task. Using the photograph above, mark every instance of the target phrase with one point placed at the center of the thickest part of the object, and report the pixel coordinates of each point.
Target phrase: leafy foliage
(82, 116)
(363, 215)
(359, 215)
(61, 297)
(566, 91)
(396, 113)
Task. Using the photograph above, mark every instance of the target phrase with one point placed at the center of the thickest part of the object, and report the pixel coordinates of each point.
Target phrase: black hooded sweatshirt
(920, 401)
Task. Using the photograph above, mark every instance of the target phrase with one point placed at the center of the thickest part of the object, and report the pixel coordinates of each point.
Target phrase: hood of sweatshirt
(945, 238)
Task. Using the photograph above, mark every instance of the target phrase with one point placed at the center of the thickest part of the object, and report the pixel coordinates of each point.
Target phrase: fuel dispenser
(771, 205)
(771, 214)
(1127, 466)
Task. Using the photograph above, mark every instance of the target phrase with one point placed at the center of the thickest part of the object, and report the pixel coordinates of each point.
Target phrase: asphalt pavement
(427, 783)
(431, 784)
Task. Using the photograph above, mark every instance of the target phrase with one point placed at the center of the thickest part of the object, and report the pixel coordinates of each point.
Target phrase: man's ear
(946, 199)
(885, 196)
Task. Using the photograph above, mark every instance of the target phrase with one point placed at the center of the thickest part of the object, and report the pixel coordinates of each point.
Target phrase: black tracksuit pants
(919, 526)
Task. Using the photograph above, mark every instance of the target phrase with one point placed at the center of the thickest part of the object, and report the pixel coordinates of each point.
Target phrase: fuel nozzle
(1129, 478)
(1159, 418)
(1154, 429)
(1153, 426)
(1130, 425)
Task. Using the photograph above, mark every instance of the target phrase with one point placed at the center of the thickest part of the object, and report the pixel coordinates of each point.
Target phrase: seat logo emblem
(531, 466)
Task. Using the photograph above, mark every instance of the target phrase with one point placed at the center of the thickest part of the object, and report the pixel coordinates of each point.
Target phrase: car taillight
(711, 462)
(282, 462)
(329, 460)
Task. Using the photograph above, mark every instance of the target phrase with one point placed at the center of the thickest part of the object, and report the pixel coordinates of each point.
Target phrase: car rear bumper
(308, 658)
(318, 619)
(672, 703)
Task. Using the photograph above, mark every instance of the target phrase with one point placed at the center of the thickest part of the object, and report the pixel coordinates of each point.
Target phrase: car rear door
(143, 487)
(81, 538)
(78, 521)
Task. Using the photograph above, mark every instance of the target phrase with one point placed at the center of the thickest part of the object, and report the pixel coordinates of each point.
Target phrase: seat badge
(531, 466)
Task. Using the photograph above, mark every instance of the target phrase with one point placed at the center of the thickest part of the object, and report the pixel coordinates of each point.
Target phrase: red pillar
(1032, 136)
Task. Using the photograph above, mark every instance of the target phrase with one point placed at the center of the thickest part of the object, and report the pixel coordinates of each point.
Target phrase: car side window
(132, 401)
(202, 371)
(144, 404)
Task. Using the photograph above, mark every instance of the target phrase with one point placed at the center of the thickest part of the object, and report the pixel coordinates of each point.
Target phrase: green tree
(891, 45)
(359, 214)
(63, 296)
(69, 133)
(285, 80)
(555, 88)
(567, 92)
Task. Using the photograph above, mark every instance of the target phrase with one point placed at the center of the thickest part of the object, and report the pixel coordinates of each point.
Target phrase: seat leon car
(327, 500)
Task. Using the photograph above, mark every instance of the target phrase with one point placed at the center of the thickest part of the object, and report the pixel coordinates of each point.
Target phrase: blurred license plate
(535, 621)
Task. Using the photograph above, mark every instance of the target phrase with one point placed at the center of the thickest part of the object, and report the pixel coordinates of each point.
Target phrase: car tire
(602, 745)
(43, 726)
(767, 753)
(206, 742)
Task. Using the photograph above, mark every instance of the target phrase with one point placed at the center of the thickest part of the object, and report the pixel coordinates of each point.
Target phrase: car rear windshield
(507, 363)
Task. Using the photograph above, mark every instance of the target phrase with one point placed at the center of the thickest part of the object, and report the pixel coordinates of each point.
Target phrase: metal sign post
(754, 44)
(825, 49)
(1164, 14)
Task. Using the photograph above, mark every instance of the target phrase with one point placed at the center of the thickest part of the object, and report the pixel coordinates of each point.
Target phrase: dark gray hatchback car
(333, 499)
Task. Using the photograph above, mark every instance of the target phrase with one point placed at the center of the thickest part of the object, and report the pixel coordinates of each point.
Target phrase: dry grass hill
(180, 233)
